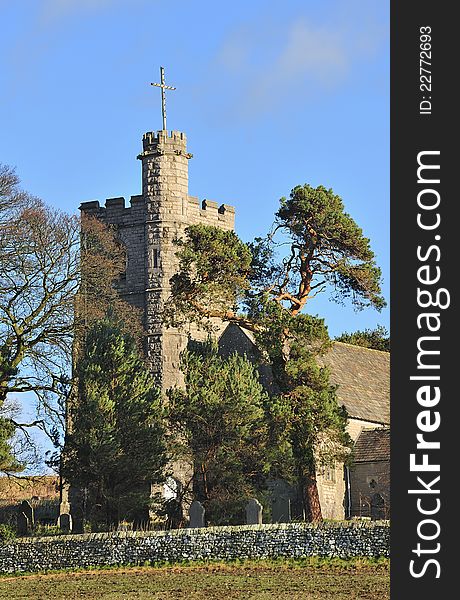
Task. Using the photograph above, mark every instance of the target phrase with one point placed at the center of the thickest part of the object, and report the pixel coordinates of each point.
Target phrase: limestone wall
(331, 482)
(148, 228)
(129, 222)
(293, 540)
(331, 490)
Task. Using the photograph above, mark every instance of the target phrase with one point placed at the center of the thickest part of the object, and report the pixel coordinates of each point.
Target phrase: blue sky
(270, 94)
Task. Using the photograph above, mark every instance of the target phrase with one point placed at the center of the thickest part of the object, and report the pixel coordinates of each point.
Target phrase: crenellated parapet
(209, 212)
(159, 143)
(129, 222)
(115, 211)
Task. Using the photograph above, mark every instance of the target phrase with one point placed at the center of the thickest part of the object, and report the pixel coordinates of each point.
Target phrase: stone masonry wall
(130, 225)
(368, 479)
(148, 229)
(292, 540)
(165, 189)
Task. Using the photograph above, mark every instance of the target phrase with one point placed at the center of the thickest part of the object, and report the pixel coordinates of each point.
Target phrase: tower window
(328, 472)
(155, 258)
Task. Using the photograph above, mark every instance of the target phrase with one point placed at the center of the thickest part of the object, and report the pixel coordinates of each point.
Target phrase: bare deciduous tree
(57, 275)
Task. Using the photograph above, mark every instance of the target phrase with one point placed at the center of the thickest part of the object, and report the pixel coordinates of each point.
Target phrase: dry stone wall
(292, 540)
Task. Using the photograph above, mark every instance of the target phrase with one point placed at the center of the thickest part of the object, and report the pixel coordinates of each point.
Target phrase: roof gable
(372, 445)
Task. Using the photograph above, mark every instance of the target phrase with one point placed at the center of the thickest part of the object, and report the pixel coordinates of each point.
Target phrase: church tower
(165, 192)
(148, 228)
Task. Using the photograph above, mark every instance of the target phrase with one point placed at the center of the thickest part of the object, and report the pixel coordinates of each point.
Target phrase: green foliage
(307, 425)
(116, 446)
(330, 244)
(7, 533)
(8, 461)
(377, 339)
(320, 246)
(7, 370)
(264, 287)
(212, 278)
(220, 419)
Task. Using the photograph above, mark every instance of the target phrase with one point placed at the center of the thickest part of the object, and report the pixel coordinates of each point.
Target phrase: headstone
(27, 509)
(175, 514)
(23, 524)
(377, 507)
(65, 522)
(281, 510)
(253, 512)
(196, 514)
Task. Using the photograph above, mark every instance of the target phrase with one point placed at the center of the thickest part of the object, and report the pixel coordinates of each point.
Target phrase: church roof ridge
(363, 384)
(362, 347)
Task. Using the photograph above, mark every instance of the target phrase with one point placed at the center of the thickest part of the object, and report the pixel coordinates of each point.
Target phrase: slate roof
(372, 445)
(361, 374)
(363, 379)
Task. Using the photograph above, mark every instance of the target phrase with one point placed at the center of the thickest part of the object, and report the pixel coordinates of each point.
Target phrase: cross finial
(163, 87)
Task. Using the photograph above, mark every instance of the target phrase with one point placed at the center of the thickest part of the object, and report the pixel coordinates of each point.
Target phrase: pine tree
(116, 446)
(9, 463)
(376, 339)
(219, 417)
(264, 286)
(307, 425)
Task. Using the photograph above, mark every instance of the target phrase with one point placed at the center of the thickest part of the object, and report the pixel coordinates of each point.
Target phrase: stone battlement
(206, 212)
(153, 137)
(112, 205)
(209, 212)
(162, 142)
(115, 212)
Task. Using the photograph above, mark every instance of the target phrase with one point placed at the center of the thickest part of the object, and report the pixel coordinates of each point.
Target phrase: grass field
(358, 580)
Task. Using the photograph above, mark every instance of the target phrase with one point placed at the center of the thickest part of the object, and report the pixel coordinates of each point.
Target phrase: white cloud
(309, 51)
(308, 57)
(266, 64)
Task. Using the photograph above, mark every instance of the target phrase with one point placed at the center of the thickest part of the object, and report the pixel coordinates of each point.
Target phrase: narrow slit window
(155, 259)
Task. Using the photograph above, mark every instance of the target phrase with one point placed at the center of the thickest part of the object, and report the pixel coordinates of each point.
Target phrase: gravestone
(175, 514)
(65, 522)
(196, 514)
(281, 510)
(253, 512)
(23, 524)
(377, 507)
(27, 509)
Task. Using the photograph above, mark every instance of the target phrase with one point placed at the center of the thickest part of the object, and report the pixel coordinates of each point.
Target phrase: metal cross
(163, 87)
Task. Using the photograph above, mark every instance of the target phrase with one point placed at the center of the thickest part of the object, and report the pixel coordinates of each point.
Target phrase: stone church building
(148, 228)
(148, 225)
(362, 377)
